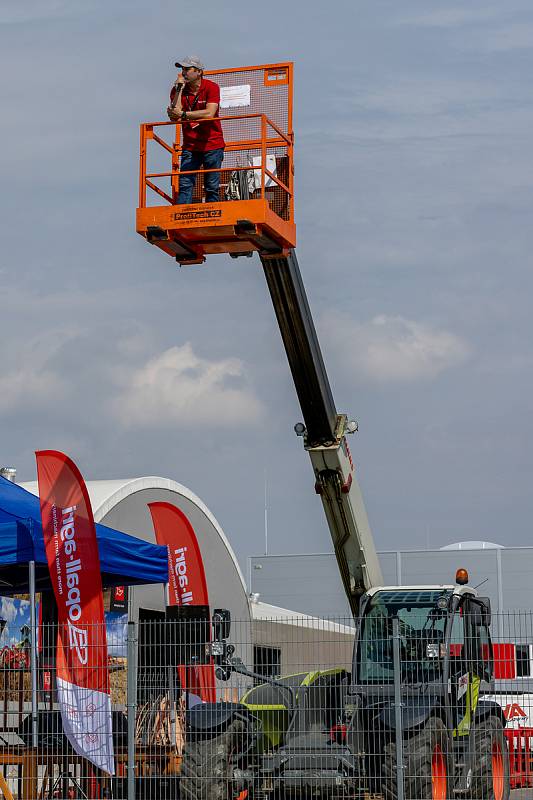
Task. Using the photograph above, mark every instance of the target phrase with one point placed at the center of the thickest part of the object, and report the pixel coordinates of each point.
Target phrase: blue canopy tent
(124, 560)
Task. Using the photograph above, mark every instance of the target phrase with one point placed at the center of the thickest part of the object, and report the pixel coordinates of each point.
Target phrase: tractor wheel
(207, 768)
(490, 778)
(426, 760)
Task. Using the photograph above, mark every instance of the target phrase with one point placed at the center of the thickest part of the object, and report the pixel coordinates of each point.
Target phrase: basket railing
(250, 138)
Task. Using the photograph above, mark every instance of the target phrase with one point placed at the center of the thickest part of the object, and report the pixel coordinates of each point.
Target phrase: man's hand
(173, 115)
(179, 80)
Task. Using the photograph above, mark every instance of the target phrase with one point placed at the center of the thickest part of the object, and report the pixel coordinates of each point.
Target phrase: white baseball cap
(190, 61)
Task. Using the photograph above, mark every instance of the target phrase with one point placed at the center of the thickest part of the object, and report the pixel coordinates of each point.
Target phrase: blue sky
(16, 613)
(414, 186)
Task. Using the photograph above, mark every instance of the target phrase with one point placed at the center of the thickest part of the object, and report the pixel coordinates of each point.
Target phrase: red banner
(82, 677)
(119, 599)
(186, 581)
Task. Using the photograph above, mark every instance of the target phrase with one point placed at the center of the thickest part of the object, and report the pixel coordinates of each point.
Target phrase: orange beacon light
(255, 210)
(461, 577)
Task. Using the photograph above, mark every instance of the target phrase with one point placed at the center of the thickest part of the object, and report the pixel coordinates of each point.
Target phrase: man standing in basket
(194, 99)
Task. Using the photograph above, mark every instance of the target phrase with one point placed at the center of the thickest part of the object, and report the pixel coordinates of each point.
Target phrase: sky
(414, 189)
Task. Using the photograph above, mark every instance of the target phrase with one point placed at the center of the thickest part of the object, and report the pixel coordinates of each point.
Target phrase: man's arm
(175, 108)
(208, 112)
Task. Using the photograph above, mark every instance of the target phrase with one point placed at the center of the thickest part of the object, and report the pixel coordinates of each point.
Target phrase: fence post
(398, 707)
(131, 705)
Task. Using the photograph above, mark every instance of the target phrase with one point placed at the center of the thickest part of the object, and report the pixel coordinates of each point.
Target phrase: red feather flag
(186, 582)
(82, 677)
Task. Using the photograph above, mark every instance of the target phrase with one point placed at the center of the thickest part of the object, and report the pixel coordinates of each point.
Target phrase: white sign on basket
(235, 96)
(254, 178)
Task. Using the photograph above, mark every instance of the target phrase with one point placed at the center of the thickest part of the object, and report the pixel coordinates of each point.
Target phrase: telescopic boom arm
(325, 431)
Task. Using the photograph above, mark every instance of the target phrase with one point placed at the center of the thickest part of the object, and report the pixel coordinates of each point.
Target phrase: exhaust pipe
(9, 473)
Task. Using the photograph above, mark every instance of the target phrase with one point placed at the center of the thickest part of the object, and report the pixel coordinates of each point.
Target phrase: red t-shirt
(205, 135)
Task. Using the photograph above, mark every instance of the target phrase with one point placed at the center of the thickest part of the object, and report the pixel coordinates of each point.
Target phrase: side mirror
(480, 612)
(223, 674)
(221, 624)
(485, 610)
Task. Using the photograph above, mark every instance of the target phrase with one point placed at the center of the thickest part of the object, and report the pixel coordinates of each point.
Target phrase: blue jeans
(211, 159)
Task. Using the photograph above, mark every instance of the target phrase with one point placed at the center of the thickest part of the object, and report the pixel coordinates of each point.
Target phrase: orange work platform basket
(255, 211)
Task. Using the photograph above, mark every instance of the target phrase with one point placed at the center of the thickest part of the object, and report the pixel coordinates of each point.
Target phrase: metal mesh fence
(270, 92)
(425, 706)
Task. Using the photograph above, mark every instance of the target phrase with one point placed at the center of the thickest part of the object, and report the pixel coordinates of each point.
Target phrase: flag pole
(131, 705)
(33, 659)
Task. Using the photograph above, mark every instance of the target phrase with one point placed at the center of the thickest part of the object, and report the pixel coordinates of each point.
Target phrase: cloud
(392, 348)
(8, 609)
(504, 38)
(173, 387)
(116, 630)
(27, 387)
(425, 96)
(36, 11)
(449, 17)
(27, 378)
(491, 29)
(179, 387)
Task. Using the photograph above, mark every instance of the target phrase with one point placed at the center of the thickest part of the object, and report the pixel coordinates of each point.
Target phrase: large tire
(206, 767)
(427, 764)
(490, 777)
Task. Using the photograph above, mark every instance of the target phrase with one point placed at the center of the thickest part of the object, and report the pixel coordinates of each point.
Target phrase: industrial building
(309, 582)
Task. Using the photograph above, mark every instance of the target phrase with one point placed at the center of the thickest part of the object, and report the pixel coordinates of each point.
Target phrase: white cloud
(179, 387)
(27, 386)
(27, 379)
(449, 17)
(392, 348)
(8, 609)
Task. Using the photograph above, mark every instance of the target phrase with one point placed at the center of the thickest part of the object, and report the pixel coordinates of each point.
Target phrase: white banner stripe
(86, 717)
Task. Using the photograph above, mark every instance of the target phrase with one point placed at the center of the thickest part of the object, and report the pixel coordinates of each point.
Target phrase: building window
(523, 663)
(267, 661)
